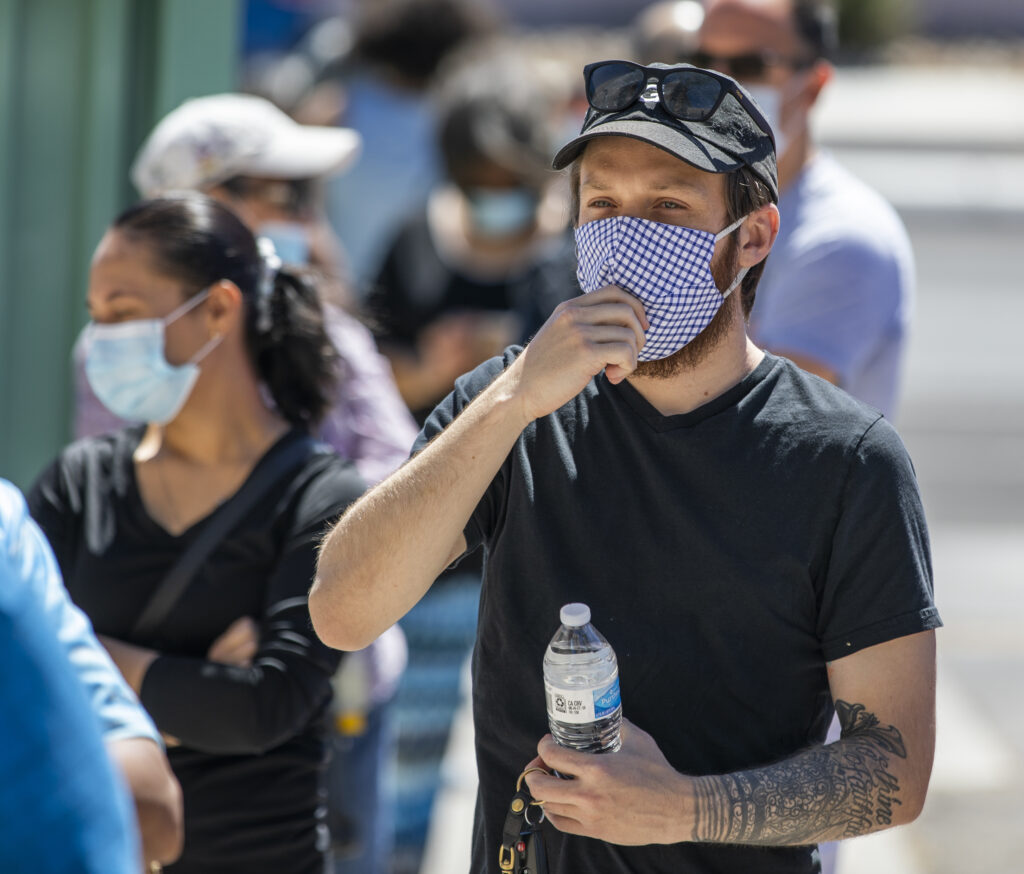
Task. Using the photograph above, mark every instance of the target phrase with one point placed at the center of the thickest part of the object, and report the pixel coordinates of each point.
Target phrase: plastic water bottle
(581, 683)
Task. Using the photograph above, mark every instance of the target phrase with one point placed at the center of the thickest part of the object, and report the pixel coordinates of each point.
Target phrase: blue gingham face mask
(667, 267)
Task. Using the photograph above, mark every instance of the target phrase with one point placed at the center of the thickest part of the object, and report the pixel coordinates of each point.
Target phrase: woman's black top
(252, 740)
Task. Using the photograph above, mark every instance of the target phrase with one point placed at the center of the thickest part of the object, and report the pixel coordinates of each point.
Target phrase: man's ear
(757, 235)
(819, 75)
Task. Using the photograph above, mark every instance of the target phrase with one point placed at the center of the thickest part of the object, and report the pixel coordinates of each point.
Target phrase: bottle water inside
(581, 684)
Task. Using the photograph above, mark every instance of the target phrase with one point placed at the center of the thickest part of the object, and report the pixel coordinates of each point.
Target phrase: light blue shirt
(397, 168)
(839, 283)
(62, 808)
(115, 704)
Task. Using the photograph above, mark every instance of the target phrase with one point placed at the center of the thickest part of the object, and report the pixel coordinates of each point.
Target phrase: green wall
(81, 83)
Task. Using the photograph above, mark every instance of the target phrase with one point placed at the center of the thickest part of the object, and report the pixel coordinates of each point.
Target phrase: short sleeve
(467, 387)
(878, 585)
(835, 303)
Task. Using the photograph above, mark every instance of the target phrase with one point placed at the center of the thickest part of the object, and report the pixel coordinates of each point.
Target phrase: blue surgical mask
(668, 267)
(290, 239)
(501, 212)
(769, 99)
(126, 367)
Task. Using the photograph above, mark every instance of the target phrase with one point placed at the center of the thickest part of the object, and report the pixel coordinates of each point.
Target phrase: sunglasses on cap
(686, 93)
(752, 65)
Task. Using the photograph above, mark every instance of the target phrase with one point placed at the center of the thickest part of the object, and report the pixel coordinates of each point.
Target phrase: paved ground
(947, 147)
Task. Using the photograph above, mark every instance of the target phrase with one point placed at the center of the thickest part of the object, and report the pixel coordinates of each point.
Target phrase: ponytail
(199, 241)
(287, 339)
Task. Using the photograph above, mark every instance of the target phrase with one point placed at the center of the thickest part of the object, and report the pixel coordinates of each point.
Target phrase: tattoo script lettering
(841, 790)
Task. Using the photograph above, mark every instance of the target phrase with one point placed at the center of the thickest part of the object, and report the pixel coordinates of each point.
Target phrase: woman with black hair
(223, 354)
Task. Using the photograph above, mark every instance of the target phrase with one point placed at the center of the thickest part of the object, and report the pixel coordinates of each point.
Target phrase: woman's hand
(237, 645)
(132, 661)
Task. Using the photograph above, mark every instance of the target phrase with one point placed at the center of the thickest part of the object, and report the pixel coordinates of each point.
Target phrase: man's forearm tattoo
(841, 790)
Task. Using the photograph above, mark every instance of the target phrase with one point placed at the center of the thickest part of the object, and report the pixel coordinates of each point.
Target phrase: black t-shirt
(252, 748)
(726, 554)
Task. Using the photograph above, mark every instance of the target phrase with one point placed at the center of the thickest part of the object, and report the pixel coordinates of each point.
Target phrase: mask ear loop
(190, 304)
(735, 282)
(206, 348)
(730, 229)
(743, 271)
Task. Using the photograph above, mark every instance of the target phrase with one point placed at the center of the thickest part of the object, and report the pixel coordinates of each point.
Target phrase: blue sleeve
(113, 701)
(61, 806)
(835, 303)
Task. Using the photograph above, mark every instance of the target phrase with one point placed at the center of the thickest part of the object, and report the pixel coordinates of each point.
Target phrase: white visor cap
(207, 140)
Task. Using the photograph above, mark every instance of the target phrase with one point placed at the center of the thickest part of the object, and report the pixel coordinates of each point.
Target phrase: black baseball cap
(702, 117)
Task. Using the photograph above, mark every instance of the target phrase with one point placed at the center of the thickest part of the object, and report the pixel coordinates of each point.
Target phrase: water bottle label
(607, 700)
(580, 706)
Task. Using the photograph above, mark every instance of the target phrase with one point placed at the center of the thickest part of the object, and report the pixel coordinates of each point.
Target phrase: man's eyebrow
(675, 184)
(667, 185)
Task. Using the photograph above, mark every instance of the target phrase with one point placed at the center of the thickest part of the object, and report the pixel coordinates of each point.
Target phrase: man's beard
(698, 349)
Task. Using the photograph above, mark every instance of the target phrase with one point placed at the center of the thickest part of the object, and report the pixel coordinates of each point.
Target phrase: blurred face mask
(769, 99)
(290, 239)
(126, 367)
(500, 212)
(667, 267)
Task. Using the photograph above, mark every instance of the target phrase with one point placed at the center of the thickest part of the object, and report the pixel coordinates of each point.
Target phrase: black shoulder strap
(284, 459)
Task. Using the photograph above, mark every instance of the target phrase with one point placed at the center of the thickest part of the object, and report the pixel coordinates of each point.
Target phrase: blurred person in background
(243, 151)
(398, 46)
(249, 155)
(61, 807)
(837, 292)
(459, 278)
(667, 32)
(223, 355)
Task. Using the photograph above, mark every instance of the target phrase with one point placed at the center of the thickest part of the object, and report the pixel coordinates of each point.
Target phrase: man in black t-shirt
(749, 538)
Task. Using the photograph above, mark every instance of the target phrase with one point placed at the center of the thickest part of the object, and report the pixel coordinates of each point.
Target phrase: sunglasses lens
(751, 66)
(612, 87)
(747, 67)
(690, 95)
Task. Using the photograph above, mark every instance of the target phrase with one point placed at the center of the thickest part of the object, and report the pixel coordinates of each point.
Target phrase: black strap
(284, 458)
(522, 848)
